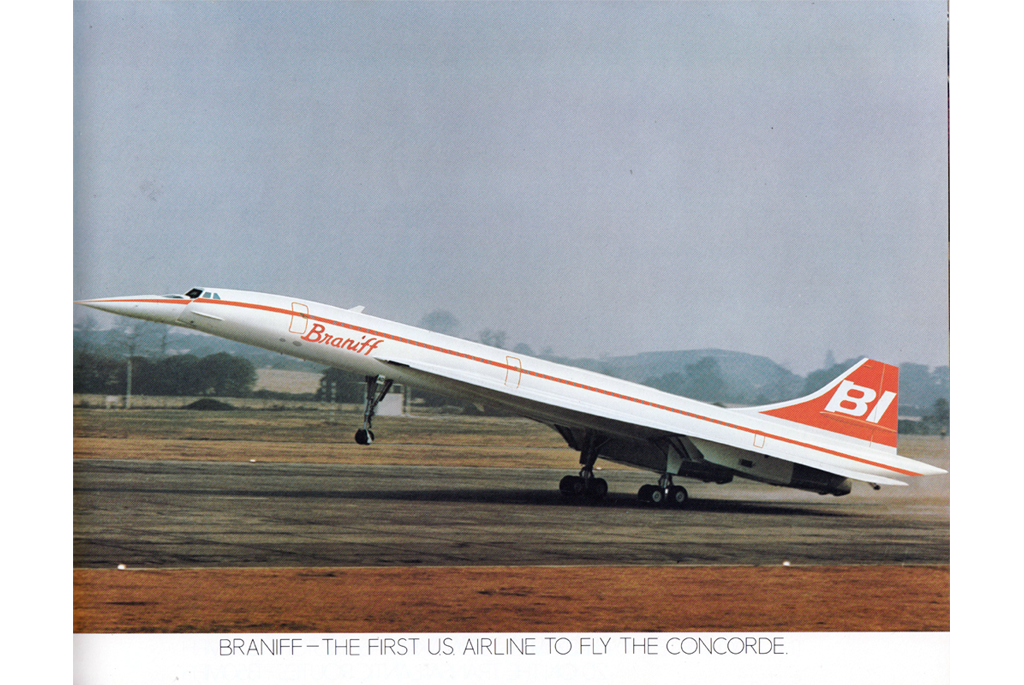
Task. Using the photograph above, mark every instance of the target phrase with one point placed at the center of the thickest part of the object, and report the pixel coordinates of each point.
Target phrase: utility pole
(333, 389)
(130, 333)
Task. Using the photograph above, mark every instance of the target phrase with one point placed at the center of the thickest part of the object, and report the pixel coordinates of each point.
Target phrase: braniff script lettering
(319, 334)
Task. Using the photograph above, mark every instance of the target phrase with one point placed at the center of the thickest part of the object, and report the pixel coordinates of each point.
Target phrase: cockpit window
(198, 292)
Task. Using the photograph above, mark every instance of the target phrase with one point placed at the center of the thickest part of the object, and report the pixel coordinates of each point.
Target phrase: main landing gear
(664, 493)
(586, 485)
(364, 436)
(583, 485)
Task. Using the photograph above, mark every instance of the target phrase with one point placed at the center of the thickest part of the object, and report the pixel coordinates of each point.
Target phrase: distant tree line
(167, 362)
(935, 423)
(345, 387)
(220, 374)
(341, 387)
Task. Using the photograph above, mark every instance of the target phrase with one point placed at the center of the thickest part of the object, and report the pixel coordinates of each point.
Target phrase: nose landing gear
(364, 436)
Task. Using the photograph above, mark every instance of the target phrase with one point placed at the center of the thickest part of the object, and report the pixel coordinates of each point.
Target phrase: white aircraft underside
(845, 431)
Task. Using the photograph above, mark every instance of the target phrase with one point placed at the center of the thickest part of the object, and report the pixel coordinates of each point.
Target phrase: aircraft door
(513, 372)
(300, 319)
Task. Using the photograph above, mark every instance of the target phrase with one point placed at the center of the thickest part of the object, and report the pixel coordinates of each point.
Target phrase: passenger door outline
(513, 372)
(300, 319)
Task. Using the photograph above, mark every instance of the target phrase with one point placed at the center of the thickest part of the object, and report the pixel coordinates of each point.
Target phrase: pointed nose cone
(147, 307)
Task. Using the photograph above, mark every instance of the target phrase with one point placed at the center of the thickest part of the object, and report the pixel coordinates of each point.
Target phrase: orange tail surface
(861, 403)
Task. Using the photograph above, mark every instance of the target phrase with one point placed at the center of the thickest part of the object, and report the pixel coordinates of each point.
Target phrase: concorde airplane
(844, 432)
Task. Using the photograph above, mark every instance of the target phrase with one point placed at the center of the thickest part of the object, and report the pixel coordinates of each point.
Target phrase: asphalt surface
(178, 514)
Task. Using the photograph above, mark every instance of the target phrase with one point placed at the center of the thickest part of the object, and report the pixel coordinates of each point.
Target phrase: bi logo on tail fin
(861, 403)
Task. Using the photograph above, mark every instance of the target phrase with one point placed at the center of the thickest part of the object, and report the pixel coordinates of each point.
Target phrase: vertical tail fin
(861, 403)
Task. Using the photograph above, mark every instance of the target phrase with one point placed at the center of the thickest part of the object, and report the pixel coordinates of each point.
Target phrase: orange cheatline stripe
(563, 381)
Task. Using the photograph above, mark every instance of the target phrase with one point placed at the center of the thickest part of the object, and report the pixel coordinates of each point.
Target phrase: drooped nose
(147, 307)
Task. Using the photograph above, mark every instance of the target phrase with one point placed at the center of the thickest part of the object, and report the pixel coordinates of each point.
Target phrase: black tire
(656, 495)
(364, 437)
(597, 488)
(677, 496)
(644, 494)
(572, 486)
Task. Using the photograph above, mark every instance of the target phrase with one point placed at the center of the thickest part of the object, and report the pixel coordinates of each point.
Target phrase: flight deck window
(216, 296)
(206, 295)
(194, 293)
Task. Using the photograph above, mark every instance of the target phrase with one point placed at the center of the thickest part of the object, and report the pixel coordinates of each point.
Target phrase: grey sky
(595, 178)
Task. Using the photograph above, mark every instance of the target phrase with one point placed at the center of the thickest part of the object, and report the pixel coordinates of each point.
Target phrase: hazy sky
(594, 178)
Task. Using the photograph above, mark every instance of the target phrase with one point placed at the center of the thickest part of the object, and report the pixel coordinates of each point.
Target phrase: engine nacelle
(822, 482)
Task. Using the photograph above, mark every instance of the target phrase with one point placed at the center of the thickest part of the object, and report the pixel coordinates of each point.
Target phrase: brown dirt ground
(514, 599)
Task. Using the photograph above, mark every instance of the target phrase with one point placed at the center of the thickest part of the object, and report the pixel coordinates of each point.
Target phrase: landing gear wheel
(597, 488)
(364, 437)
(677, 496)
(572, 486)
(650, 494)
(577, 486)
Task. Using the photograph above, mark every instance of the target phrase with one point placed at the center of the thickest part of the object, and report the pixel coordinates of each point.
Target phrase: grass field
(317, 437)
(327, 437)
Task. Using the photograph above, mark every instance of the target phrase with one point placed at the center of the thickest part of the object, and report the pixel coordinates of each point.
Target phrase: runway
(202, 514)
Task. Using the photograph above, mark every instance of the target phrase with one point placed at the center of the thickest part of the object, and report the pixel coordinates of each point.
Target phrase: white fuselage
(542, 390)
